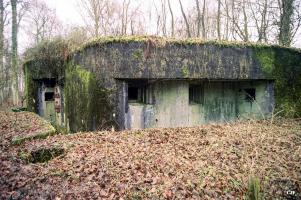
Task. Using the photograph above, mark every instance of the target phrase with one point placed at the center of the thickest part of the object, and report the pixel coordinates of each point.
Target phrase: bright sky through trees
(68, 12)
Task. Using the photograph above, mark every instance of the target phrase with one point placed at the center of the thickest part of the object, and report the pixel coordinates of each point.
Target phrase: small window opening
(250, 94)
(195, 94)
(138, 94)
(133, 94)
(49, 96)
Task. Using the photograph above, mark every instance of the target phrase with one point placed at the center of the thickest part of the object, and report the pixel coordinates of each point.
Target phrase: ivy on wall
(283, 65)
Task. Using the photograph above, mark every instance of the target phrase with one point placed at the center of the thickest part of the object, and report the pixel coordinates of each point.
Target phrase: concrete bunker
(50, 100)
(148, 82)
(174, 103)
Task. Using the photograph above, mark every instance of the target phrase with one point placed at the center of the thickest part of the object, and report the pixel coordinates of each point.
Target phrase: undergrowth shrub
(253, 192)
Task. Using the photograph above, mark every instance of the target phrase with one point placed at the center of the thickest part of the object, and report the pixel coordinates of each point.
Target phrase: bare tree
(163, 11)
(289, 22)
(3, 22)
(91, 13)
(227, 25)
(199, 16)
(9, 65)
(172, 19)
(1, 34)
(76, 36)
(3, 78)
(297, 18)
(110, 18)
(137, 21)
(42, 22)
(158, 19)
(186, 20)
(125, 11)
(104, 17)
(239, 26)
(218, 21)
(203, 20)
(245, 22)
(14, 59)
(259, 11)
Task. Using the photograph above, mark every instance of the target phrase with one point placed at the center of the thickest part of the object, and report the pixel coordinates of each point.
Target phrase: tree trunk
(246, 32)
(14, 49)
(1, 37)
(263, 31)
(219, 20)
(163, 23)
(124, 20)
(2, 71)
(285, 30)
(172, 20)
(198, 18)
(186, 20)
(226, 36)
(203, 20)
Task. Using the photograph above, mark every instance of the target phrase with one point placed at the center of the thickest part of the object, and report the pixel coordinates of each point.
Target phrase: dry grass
(206, 162)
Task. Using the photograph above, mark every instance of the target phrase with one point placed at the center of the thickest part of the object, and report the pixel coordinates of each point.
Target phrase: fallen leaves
(206, 162)
(17, 127)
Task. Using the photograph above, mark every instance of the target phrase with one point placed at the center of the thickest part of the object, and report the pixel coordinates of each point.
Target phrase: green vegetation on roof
(48, 50)
(162, 41)
(59, 48)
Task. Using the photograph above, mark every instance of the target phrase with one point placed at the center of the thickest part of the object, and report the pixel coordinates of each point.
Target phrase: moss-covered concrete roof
(162, 41)
(155, 40)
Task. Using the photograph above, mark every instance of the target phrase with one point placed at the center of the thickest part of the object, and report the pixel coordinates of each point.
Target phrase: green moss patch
(18, 127)
(283, 65)
(42, 155)
(45, 130)
(86, 102)
(266, 57)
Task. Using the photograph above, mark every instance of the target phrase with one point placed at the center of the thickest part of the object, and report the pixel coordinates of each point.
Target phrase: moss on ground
(47, 130)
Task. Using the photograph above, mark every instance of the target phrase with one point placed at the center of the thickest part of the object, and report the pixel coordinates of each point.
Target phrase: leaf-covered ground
(18, 126)
(206, 162)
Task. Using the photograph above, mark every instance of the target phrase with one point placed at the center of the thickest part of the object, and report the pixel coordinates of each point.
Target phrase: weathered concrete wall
(139, 116)
(171, 104)
(112, 61)
(264, 103)
(138, 60)
(220, 101)
(223, 101)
